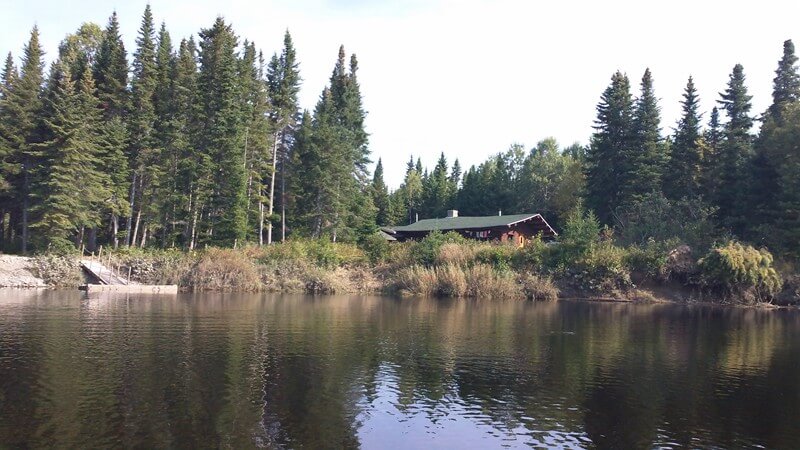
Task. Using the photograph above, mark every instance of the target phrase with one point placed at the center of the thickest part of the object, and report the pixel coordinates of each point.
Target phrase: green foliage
(609, 146)
(656, 218)
(602, 269)
(740, 271)
(650, 259)
(683, 174)
(426, 251)
(376, 247)
(500, 256)
(580, 234)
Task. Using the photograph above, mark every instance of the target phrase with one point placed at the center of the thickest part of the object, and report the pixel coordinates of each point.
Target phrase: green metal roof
(465, 223)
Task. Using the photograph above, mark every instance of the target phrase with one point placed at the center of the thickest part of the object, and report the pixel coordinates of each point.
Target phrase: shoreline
(23, 272)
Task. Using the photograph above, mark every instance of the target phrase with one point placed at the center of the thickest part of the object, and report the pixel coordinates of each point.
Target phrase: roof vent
(452, 213)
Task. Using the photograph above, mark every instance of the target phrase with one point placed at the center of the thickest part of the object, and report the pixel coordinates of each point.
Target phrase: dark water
(243, 371)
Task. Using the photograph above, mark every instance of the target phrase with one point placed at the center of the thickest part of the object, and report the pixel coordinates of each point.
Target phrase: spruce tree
(141, 122)
(683, 175)
(786, 85)
(221, 118)
(772, 151)
(610, 144)
(72, 157)
(284, 86)
(7, 80)
(22, 112)
(735, 152)
(110, 73)
(643, 160)
(380, 195)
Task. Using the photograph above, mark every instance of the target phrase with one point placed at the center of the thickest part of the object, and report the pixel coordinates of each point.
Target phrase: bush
(376, 247)
(602, 269)
(484, 282)
(426, 251)
(58, 270)
(451, 281)
(499, 256)
(581, 232)
(536, 287)
(224, 270)
(651, 258)
(417, 281)
(456, 254)
(535, 255)
(740, 272)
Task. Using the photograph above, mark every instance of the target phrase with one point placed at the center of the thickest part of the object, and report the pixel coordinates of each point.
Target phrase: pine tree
(735, 152)
(683, 176)
(643, 161)
(222, 118)
(605, 158)
(22, 112)
(141, 123)
(380, 195)
(72, 156)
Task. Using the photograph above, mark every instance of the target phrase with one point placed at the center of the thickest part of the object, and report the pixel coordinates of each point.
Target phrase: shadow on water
(278, 371)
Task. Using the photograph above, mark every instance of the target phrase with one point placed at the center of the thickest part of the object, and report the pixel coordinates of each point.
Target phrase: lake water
(276, 371)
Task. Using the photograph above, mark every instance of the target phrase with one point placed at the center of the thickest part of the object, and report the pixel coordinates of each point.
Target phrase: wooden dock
(107, 280)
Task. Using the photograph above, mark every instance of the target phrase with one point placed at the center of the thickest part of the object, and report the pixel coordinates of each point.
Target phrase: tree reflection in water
(239, 371)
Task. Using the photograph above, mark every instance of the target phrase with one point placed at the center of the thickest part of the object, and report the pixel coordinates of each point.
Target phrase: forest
(204, 144)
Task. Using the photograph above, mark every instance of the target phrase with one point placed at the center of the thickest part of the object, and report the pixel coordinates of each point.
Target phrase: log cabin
(516, 228)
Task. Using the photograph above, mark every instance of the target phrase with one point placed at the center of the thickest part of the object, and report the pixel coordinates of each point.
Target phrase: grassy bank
(447, 265)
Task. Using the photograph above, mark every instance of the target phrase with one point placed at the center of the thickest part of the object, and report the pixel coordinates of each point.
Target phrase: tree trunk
(136, 228)
(144, 237)
(260, 223)
(114, 230)
(283, 197)
(25, 213)
(130, 216)
(272, 188)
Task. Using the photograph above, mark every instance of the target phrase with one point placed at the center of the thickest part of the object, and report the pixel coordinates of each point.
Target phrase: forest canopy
(201, 142)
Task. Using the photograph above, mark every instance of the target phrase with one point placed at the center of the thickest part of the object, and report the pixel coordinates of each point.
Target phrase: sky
(471, 77)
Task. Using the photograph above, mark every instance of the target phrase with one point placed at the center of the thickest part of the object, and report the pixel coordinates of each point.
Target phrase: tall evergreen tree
(72, 157)
(683, 176)
(22, 112)
(643, 162)
(110, 73)
(222, 117)
(142, 120)
(772, 150)
(380, 195)
(786, 84)
(735, 152)
(609, 146)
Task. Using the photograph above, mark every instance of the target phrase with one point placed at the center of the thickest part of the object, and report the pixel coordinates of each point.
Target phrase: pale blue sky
(472, 77)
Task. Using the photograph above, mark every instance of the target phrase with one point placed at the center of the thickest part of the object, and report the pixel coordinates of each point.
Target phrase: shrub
(581, 232)
(499, 256)
(427, 250)
(535, 255)
(603, 269)
(484, 282)
(417, 281)
(223, 270)
(458, 254)
(451, 281)
(651, 258)
(740, 272)
(536, 287)
(58, 270)
(376, 248)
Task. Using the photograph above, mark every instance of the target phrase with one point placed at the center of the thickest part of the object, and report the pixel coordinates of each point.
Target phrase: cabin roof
(472, 223)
